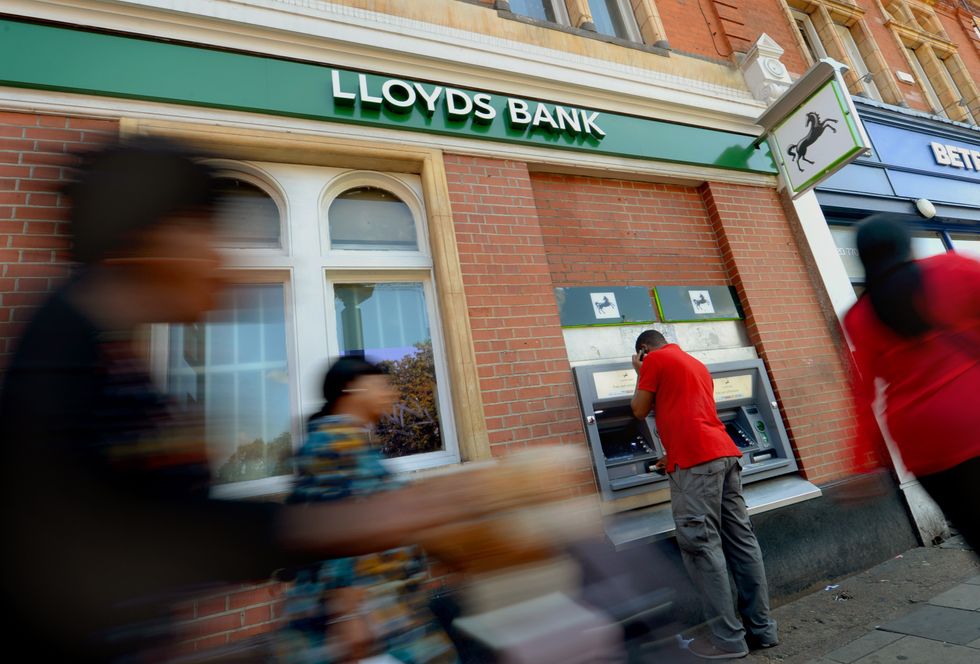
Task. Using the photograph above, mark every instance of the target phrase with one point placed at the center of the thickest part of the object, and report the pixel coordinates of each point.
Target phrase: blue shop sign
(941, 155)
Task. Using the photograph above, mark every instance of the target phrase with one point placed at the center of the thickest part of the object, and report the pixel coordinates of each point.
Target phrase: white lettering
(367, 99)
(458, 103)
(954, 156)
(484, 111)
(589, 126)
(339, 95)
(517, 110)
(430, 98)
(403, 102)
(967, 160)
(568, 119)
(939, 153)
(976, 159)
(542, 115)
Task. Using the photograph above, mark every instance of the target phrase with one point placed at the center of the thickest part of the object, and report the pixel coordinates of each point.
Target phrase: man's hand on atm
(660, 466)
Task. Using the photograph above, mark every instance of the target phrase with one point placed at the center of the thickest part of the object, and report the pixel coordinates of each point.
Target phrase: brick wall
(229, 615)
(525, 377)
(625, 233)
(34, 153)
(785, 322)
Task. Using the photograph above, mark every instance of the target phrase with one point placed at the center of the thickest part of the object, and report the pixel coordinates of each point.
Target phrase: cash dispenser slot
(628, 450)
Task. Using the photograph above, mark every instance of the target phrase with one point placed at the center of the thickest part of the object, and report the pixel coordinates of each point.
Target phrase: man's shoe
(707, 650)
(755, 643)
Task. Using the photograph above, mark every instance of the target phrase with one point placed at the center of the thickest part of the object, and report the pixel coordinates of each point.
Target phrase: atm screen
(733, 388)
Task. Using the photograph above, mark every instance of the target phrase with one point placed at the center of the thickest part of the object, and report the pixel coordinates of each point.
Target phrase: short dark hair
(650, 338)
(126, 187)
(340, 376)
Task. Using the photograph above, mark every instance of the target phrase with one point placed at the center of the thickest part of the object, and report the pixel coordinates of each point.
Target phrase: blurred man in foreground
(106, 515)
(713, 528)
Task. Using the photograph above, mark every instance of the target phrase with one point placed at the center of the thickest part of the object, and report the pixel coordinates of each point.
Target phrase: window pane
(861, 69)
(809, 34)
(247, 216)
(844, 238)
(387, 323)
(232, 370)
(930, 92)
(539, 9)
(952, 83)
(967, 243)
(927, 244)
(371, 218)
(608, 18)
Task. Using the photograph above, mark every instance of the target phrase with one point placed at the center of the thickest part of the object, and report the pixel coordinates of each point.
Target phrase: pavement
(921, 607)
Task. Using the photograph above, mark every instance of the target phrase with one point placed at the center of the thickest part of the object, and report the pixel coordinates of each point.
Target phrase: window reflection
(232, 370)
(387, 323)
(247, 216)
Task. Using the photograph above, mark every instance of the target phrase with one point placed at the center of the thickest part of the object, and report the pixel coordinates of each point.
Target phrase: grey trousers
(715, 536)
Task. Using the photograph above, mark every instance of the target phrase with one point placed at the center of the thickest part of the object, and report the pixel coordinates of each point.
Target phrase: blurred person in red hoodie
(917, 330)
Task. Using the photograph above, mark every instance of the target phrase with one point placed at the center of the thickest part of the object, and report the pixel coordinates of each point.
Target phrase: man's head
(649, 340)
(142, 212)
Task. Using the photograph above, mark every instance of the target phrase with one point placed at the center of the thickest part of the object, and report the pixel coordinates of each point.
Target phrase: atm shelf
(634, 480)
(650, 524)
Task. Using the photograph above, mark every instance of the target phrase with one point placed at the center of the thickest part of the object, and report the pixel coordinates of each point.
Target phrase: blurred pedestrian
(350, 608)
(713, 529)
(916, 328)
(105, 511)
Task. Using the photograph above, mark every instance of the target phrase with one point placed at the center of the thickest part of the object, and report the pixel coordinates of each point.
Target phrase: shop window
(614, 18)
(924, 244)
(966, 243)
(388, 323)
(248, 216)
(350, 272)
(232, 370)
(371, 218)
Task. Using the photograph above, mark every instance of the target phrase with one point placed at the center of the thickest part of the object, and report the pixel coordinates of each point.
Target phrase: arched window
(371, 218)
(247, 215)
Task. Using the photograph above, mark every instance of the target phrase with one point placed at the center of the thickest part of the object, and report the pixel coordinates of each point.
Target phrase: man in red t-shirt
(712, 524)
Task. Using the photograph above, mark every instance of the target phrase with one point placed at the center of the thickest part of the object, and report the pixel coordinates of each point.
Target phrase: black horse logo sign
(603, 304)
(816, 128)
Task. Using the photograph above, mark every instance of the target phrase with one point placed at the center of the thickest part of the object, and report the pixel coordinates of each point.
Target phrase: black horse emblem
(816, 129)
(700, 302)
(600, 305)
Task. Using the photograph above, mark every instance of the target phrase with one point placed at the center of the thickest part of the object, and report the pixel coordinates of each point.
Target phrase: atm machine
(625, 450)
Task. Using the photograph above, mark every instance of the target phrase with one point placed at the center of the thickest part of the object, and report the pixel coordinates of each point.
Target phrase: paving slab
(975, 644)
(915, 650)
(975, 581)
(863, 646)
(938, 623)
(964, 596)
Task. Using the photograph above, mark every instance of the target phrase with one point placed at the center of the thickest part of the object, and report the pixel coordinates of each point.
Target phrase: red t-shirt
(932, 398)
(684, 408)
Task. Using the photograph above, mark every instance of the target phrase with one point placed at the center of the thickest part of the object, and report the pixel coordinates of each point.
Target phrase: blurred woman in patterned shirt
(346, 609)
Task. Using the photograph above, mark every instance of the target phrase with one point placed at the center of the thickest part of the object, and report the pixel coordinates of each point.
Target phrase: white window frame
(559, 9)
(811, 33)
(629, 19)
(930, 92)
(307, 268)
(450, 452)
(861, 67)
(952, 84)
(375, 258)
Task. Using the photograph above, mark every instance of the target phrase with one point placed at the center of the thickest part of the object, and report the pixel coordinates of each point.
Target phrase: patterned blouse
(338, 462)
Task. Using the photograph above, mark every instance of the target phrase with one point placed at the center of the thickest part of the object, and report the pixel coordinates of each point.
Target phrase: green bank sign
(63, 59)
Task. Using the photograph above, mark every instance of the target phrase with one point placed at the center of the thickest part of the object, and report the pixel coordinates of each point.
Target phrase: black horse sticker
(603, 304)
(817, 127)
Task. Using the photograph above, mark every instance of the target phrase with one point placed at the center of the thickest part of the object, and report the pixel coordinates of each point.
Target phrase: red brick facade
(34, 151)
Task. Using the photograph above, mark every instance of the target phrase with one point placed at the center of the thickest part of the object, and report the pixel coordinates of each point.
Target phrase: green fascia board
(48, 57)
